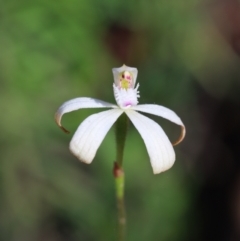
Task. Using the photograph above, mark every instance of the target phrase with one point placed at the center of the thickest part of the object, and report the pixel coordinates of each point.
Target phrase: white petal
(91, 133)
(165, 113)
(79, 103)
(118, 71)
(160, 150)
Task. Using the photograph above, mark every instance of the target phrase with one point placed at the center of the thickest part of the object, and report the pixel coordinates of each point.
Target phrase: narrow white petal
(79, 103)
(165, 113)
(160, 150)
(91, 133)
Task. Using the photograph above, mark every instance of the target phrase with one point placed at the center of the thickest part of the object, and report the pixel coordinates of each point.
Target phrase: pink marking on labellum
(128, 103)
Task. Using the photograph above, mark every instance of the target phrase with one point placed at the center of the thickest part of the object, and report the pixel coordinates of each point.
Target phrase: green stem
(121, 132)
(119, 182)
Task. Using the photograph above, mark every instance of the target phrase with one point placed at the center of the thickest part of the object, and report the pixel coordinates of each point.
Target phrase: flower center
(125, 80)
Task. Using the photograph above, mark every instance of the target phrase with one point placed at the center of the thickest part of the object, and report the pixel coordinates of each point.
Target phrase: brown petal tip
(181, 137)
(57, 118)
(65, 130)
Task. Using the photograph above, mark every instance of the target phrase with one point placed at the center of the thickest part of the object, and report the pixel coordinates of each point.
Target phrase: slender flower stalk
(91, 132)
(121, 132)
(119, 185)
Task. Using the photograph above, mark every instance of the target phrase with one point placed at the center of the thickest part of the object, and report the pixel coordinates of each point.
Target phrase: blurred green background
(187, 55)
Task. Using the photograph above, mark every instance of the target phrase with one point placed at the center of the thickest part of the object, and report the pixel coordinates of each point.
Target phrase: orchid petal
(160, 150)
(91, 133)
(79, 103)
(165, 113)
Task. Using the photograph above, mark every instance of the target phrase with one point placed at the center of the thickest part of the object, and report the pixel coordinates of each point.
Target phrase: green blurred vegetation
(54, 51)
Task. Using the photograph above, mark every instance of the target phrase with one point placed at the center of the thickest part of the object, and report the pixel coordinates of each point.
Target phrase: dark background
(187, 53)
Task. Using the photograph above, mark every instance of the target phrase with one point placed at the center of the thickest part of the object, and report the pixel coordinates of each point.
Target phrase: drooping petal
(165, 113)
(91, 133)
(79, 103)
(118, 71)
(160, 150)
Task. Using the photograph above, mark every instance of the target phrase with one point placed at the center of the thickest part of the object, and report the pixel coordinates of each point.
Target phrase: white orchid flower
(92, 130)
